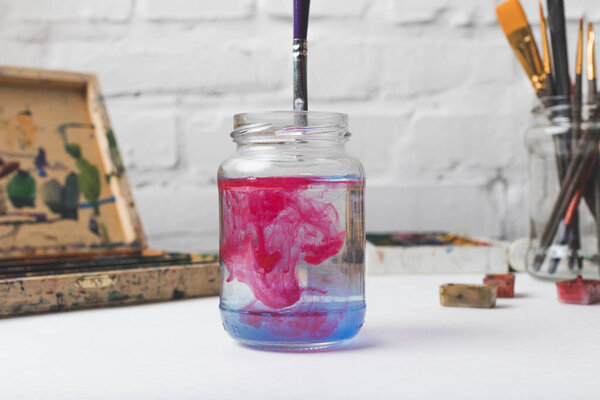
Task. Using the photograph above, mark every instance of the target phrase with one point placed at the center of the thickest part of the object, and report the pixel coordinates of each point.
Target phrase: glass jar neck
(560, 110)
(290, 130)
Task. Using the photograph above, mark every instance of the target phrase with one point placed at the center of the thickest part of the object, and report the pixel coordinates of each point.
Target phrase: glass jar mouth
(559, 109)
(290, 126)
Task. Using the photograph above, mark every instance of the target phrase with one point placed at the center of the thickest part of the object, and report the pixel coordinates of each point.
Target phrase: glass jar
(564, 191)
(291, 232)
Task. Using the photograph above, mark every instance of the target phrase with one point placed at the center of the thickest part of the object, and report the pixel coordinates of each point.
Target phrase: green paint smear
(89, 181)
(114, 151)
(89, 177)
(21, 190)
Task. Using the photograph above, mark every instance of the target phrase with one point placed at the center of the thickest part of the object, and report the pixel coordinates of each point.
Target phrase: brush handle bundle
(576, 140)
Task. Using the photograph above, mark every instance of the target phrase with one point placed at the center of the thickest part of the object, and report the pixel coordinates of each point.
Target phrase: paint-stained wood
(70, 234)
(63, 186)
(67, 292)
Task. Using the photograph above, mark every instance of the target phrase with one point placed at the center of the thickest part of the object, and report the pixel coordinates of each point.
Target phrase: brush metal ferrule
(524, 46)
(300, 87)
(545, 48)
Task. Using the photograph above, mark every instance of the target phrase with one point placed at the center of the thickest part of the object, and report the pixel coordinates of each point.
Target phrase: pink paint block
(578, 291)
(504, 282)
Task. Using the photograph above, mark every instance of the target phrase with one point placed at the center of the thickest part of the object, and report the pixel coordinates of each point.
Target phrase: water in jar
(292, 259)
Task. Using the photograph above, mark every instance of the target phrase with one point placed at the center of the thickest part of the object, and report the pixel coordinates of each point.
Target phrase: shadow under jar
(292, 234)
(564, 191)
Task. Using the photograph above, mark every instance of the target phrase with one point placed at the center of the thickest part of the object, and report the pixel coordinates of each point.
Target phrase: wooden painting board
(69, 195)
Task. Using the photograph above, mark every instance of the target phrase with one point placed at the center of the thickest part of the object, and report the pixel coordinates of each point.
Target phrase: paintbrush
(561, 81)
(546, 61)
(549, 92)
(576, 108)
(574, 239)
(301, 10)
(576, 176)
(591, 65)
(558, 42)
(562, 90)
(593, 117)
(577, 88)
(514, 23)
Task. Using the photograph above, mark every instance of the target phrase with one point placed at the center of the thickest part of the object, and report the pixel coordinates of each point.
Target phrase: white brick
(160, 10)
(372, 141)
(575, 9)
(146, 132)
(343, 71)
(21, 54)
(178, 208)
(468, 208)
(17, 31)
(414, 11)
(443, 65)
(151, 67)
(468, 141)
(207, 141)
(67, 10)
(454, 13)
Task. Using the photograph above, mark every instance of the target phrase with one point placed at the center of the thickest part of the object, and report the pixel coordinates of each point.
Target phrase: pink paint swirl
(269, 226)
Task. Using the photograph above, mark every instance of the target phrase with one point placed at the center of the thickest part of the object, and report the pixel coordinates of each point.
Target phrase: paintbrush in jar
(558, 42)
(577, 88)
(576, 177)
(546, 61)
(591, 175)
(516, 27)
(299, 51)
(594, 113)
(574, 240)
(576, 109)
(562, 92)
(561, 81)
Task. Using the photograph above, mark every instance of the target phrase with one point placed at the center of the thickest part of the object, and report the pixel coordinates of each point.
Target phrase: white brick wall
(438, 104)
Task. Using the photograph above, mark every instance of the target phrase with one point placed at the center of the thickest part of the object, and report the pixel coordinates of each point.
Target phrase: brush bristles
(591, 57)
(511, 16)
(513, 20)
(545, 45)
(579, 62)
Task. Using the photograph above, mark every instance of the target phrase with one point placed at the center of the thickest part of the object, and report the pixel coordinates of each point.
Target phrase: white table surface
(529, 347)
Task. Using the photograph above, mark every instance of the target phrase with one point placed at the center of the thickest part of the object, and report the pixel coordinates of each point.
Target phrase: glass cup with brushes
(292, 224)
(562, 145)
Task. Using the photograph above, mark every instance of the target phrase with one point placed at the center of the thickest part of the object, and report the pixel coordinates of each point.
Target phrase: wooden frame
(78, 245)
(133, 239)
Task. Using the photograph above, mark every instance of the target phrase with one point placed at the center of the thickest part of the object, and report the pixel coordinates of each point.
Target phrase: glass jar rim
(290, 126)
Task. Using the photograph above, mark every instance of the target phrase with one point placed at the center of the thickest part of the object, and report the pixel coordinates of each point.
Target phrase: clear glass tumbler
(291, 232)
(564, 191)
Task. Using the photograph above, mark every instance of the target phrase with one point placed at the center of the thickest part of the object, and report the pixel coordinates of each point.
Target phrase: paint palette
(63, 188)
(70, 236)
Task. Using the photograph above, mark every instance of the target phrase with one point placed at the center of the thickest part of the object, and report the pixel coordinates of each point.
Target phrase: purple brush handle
(301, 8)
